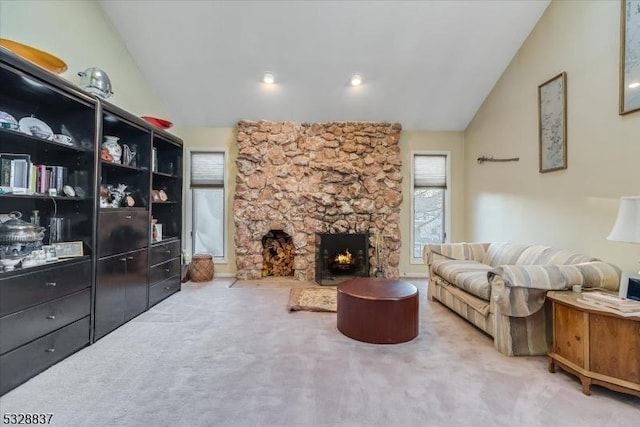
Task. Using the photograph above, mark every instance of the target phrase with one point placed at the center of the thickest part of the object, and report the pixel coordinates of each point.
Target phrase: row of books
(21, 176)
(622, 306)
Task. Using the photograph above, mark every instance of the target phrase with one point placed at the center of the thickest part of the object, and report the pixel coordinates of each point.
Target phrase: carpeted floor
(218, 356)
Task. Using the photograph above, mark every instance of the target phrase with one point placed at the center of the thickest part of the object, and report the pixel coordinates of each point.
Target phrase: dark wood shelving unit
(122, 271)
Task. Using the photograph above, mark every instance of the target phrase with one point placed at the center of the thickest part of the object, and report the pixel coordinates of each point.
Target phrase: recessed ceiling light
(634, 85)
(268, 78)
(356, 80)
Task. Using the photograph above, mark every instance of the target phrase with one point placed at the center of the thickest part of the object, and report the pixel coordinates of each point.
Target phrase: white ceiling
(426, 64)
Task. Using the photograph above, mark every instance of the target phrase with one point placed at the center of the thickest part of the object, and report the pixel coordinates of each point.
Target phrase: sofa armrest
(520, 290)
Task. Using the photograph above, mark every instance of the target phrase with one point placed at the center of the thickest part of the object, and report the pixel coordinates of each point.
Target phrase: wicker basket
(201, 268)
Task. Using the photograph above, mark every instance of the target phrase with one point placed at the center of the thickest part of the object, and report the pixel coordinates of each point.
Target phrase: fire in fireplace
(343, 261)
(341, 256)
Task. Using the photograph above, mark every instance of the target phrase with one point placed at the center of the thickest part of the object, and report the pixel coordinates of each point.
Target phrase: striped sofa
(501, 287)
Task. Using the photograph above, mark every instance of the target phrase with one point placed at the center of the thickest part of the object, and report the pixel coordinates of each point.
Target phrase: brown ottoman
(378, 311)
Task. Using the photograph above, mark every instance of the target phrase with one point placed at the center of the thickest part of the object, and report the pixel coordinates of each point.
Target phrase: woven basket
(201, 268)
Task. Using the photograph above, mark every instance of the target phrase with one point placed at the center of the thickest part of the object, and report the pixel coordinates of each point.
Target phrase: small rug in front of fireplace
(313, 299)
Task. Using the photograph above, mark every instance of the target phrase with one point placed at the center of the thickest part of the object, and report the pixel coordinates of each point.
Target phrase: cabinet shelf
(123, 167)
(44, 197)
(18, 141)
(165, 175)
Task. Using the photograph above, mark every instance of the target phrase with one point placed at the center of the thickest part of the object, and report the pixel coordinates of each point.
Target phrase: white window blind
(207, 169)
(430, 171)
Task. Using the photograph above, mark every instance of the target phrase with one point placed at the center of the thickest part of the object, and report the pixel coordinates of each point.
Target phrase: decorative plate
(162, 195)
(35, 127)
(69, 191)
(161, 123)
(7, 121)
(40, 58)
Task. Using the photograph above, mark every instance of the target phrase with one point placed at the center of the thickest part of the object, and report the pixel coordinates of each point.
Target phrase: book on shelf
(15, 171)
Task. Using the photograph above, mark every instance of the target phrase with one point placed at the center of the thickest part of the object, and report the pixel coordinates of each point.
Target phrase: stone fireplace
(303, 179)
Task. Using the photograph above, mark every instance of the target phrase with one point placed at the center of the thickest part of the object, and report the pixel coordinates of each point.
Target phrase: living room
(573, 208)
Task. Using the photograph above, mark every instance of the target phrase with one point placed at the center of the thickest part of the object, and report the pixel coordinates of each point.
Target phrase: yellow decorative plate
(43, 59)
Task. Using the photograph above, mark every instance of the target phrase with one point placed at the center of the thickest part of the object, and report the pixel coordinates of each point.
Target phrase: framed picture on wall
(629, 56)
(552, 123)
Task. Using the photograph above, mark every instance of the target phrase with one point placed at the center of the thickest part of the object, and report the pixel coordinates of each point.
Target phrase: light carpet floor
(218, 356)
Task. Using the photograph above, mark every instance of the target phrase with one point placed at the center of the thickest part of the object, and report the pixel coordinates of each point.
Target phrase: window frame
(189, 202)
(447, 198)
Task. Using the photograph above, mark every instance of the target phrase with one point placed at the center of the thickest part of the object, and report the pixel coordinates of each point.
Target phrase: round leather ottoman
(378, 311)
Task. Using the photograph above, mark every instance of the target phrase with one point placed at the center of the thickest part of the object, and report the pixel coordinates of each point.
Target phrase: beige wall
(414, 141)
(79, 33)
(573, 208)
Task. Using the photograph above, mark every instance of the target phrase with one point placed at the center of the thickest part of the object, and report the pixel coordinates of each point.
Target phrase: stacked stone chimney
(308, 178)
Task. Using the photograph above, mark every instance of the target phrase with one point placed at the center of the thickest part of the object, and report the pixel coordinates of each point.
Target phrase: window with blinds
(207, 169)
(207, 187)
(429, 201)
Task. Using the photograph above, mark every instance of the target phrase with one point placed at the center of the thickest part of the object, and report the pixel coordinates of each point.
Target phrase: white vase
(111, 145)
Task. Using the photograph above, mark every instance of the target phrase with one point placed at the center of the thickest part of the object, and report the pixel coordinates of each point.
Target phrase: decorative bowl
(40, 58)
(161, 123)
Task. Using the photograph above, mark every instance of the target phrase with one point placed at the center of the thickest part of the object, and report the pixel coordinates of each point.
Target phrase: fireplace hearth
(341, 256)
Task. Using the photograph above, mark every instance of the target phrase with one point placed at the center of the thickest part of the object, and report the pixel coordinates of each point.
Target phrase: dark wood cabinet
(18, 365)
(49, 311)
(122, 230)
(121, 290)
(45, 309)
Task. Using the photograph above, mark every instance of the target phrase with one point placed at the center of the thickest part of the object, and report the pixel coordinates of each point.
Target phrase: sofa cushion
(503, 253)
(543, 255)
(468, 251)
(470, 276)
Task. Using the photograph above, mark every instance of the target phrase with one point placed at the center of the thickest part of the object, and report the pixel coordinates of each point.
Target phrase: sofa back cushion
(503, 253)
(462, 251)
(537, 254)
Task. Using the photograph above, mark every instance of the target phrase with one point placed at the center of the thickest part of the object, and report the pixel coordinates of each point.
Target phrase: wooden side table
(597, 346)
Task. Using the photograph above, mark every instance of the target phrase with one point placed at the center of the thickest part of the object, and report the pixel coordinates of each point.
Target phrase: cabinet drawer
(24, 362)
(122, 230)
(27, 290)
(161, 290)
(19, 328)
(164, 271)
(164, 252)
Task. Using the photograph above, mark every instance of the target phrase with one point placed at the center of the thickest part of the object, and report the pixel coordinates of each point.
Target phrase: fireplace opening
(341, 256)
(277, 254)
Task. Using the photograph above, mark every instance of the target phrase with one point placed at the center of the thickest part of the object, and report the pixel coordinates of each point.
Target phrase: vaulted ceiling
(428, 65)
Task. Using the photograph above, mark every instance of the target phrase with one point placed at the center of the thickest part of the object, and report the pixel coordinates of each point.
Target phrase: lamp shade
(627, 226)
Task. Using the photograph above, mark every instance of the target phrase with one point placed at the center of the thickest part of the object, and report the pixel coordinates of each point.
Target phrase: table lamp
(627, 226)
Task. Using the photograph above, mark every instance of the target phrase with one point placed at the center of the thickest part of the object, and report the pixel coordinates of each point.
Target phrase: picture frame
(552, 123)
(69, 249)
(624, 290)
(629, 56)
